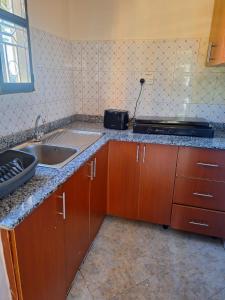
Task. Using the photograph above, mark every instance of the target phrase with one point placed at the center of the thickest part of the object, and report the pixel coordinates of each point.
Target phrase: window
(16, 73)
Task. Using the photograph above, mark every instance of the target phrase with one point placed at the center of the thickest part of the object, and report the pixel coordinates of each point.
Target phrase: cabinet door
(158, 165)
(76, 192)
(216, 54)
(98, 200)
(38, 249)
(123, 179)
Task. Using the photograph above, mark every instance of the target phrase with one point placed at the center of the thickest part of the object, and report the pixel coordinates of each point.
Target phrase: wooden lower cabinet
(98, 194)
(137, 180)
(157, 176)
(50, 244)
(76, 192)
(141, 181)
(201, 163)
(200, 193)
(123, 179)
(198, 220)
(38, 253)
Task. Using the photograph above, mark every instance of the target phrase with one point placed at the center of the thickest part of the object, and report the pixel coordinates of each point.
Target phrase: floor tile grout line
(86, 284)
(217, 293)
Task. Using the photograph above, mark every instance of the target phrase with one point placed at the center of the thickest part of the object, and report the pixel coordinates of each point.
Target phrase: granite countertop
(14, 208)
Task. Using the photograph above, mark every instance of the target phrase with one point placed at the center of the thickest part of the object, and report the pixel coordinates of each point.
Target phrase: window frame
(10, 88)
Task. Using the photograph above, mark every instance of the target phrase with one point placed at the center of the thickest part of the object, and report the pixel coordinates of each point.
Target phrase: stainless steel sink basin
(58, 148)
(72, 138)
(50, 155)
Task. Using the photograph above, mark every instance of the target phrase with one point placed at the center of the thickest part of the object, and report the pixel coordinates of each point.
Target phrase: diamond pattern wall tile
(90, 107)
(78, 84)
(219, 93)
(90, 76)
(90, 51)
(90, 84)
(204, 84)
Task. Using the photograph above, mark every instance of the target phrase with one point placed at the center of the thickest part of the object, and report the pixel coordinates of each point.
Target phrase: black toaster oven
(116, 119)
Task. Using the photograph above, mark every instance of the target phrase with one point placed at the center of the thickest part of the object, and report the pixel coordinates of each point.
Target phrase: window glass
(16, 7)
(14, 50)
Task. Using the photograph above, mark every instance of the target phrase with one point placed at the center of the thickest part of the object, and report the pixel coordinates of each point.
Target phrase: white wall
(139, 19)
(50, 16)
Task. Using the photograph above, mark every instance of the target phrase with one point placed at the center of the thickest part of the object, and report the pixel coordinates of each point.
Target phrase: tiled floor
(135, 260)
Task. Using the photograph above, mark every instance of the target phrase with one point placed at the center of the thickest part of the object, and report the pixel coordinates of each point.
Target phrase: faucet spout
(37, 133)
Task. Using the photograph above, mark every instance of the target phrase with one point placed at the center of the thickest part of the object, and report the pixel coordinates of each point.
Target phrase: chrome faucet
(37, 133)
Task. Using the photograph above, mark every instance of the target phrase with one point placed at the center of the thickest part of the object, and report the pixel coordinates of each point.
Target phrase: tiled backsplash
(54, 89)
(89, 76)
(107, 74)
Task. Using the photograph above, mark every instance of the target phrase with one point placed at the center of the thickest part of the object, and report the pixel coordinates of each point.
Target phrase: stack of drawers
(199, 194)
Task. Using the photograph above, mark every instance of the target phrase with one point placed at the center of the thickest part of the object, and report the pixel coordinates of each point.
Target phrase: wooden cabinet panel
(198, 220)
(98, 199)
(38, 249)
(76, 190)
(123, 179)
(158, 166)
(216, 54)
(201, 163)
(200, 193)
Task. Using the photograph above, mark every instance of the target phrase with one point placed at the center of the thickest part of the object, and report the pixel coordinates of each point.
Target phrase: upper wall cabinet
(216, 52)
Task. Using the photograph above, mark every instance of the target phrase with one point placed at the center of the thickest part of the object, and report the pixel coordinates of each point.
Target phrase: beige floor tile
(79, 290)
(136, 260)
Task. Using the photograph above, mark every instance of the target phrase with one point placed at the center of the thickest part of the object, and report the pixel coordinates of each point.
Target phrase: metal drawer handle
(137, 154)
(63, 213)
(209, 58)
(198, 224)
(207, 165)
(144, 154)
(203, 195)
(95, 168)
(91, 176)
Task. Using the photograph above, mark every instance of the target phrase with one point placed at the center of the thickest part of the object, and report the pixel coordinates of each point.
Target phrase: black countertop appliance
(173, 126)
(116, 119)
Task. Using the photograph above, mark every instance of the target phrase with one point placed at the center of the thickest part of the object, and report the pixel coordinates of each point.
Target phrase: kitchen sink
(48, 155)
(58, 148)
(72, 138)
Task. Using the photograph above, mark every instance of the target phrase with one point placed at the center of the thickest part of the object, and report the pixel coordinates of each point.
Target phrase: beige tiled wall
(54, 89)
(107, 75)
(90, 76)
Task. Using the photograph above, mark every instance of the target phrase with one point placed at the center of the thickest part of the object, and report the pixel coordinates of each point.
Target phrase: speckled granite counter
(21, 203)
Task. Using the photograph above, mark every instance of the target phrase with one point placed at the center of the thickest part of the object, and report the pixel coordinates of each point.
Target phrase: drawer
(200, 193)
(201, 163)
(198, 220)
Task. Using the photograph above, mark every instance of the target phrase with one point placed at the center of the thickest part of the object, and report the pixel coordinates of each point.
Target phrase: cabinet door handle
(91, 176)
(203, 195)
(63, 197)
(209, 58)
(198, 224)
(137, 154)
(144, 154)
(95, 168)
(207, 165)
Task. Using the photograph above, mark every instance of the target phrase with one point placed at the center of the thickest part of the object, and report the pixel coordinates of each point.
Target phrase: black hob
(173, 126)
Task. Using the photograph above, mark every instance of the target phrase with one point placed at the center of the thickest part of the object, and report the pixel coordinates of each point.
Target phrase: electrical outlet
(149, 78)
